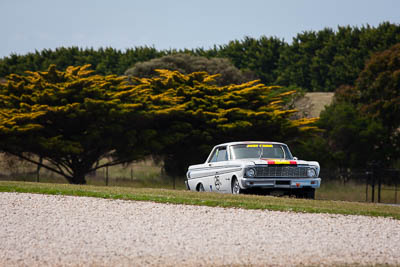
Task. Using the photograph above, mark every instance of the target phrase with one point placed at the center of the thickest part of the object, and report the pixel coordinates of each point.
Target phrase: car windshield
(270, 151)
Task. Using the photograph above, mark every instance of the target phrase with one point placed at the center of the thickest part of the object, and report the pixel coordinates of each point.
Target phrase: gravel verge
(44, 230)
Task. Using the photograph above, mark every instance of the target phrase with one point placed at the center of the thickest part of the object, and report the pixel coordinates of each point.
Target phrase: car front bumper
(290, 183)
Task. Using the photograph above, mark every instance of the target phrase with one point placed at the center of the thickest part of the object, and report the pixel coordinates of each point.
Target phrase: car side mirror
(295, 158)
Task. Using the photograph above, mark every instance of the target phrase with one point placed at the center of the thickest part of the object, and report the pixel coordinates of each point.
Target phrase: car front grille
(281, 171)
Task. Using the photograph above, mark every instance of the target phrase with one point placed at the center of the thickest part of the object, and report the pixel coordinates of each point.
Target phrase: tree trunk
(79, 177)
(38, 169)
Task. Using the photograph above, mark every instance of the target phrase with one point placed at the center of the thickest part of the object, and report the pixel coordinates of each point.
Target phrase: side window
(214, 156)
(222, 154)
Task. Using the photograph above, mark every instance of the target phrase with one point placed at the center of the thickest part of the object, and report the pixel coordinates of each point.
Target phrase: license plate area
(280, 182)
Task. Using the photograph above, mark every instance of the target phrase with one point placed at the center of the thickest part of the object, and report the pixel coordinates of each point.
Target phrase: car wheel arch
(198, 186)
(233, 179)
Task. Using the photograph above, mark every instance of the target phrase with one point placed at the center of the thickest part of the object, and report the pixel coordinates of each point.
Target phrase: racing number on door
(217, 182)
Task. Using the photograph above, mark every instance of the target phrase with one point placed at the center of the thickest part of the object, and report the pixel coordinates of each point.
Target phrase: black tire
(309, 193)
(236, 190)
(201, 188)
(299, 195)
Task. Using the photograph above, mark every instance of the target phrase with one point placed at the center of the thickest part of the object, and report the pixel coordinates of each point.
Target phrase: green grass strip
(206, 199)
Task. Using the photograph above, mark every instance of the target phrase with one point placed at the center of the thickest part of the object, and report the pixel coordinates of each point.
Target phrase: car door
(219, 164)
(209, 173)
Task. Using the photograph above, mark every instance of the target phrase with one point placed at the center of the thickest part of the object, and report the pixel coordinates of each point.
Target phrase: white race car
(264, 167)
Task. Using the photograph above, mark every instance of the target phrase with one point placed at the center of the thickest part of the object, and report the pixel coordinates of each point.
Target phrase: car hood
(250, 162)
(277, 162)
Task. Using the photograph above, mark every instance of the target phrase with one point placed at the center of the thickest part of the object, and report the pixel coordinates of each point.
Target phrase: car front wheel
(235, 187)
(201, 188)
(308, 193)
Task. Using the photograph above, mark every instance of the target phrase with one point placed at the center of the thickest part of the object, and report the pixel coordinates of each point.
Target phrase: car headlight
(250, 172)
(311, 173)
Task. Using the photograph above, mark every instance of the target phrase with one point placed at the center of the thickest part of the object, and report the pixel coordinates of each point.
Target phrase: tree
(206, 114)
(314, 61)
(379, 87)
(186, 64)
(103, 60)
(324, 60)
(72, 120)
(258, 56)
(362, 124)
(353, 140)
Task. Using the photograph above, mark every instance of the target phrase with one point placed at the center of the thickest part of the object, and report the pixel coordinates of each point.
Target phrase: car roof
(249, 142)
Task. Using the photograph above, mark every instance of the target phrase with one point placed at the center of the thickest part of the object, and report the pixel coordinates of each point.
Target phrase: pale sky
(29, 25)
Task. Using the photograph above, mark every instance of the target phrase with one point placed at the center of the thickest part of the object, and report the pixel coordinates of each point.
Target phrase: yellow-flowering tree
(68, 121)
(205, 114)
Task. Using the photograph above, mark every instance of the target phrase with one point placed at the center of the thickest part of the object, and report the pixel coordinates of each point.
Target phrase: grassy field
(148, 174)
(336, 190)
(206, 199)
(138, 174)
(151, 177)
